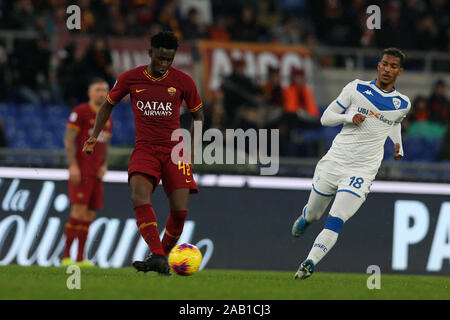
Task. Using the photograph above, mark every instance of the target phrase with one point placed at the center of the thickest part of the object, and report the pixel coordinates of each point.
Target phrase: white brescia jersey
(360, 148)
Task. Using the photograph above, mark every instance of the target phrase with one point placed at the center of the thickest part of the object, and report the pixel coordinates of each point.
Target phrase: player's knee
(78, 211)
(139, 197)
(334, 224)
(179, 200)
(141, 190)
(180, 206)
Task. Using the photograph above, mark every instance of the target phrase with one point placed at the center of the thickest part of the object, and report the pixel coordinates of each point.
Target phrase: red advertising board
(217, 58)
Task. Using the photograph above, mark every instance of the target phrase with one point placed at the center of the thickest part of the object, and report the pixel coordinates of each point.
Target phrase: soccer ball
(185, 259)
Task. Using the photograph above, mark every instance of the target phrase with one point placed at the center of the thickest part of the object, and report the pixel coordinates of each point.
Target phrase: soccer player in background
(157, 91)
(85, 173)
(370, 111)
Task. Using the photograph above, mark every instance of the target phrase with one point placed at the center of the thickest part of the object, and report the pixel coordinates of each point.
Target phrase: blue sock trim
(304, 213)
(334, 224)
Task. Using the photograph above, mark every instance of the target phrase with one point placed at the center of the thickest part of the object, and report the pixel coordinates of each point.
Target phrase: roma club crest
(172, 91)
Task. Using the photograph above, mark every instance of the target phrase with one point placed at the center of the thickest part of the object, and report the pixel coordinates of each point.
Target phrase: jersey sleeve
(191, 95)
(337, 111)
(119, 90)
(75, 120)
(396, 136)
(345, 97)
(405, 114)
(334, 115)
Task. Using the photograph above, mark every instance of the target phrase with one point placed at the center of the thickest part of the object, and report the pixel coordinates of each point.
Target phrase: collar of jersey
(383, 102)
(384, 91)
(148, 75)
(93, 108)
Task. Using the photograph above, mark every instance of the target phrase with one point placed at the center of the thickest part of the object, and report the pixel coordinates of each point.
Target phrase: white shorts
(330, 177)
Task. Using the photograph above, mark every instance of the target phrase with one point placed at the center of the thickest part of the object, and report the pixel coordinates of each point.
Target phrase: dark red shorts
(89, 192)
(155, 161)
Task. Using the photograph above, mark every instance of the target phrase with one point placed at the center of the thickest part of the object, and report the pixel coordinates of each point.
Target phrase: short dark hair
(396, 53)
(96, 80)
(164, 39)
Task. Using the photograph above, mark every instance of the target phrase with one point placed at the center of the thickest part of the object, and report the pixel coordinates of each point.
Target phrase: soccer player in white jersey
(370, 111)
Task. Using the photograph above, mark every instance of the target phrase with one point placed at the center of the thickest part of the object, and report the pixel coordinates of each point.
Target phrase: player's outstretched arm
(69, 145)
(102, 116)
(396, 137)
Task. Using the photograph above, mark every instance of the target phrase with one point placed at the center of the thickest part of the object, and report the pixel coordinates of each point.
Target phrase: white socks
(323, 243)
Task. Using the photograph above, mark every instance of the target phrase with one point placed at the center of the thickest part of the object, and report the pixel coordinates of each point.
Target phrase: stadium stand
(34, 109)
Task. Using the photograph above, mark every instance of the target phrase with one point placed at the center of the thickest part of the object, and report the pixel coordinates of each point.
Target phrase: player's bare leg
(89, 216)
(311, 212)
(179, 199)
(77, 214)
(141, 190)
(178, 203)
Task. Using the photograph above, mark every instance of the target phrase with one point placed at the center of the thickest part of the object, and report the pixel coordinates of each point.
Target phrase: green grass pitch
(35, 282)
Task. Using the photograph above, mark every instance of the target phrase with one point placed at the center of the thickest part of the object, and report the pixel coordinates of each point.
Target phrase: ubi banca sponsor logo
(378, 115)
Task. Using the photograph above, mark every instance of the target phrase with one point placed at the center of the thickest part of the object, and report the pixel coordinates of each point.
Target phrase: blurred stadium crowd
(408, 24)
(45, 80)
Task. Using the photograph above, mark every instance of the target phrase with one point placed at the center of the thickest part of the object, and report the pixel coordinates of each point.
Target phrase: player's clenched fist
(397, 154)
(89, 145)
(358, 119)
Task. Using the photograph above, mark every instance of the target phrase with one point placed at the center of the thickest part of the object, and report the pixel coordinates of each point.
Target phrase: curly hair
(164, 39)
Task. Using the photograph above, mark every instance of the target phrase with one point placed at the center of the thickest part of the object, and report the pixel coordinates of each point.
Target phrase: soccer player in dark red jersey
(156, 91)
(85, 172)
